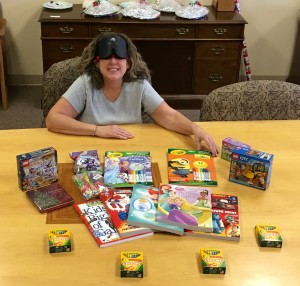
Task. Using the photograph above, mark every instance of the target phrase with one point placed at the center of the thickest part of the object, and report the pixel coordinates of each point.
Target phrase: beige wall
(270, 36)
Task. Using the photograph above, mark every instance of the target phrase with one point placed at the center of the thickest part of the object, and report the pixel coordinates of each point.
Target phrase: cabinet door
(170, 63)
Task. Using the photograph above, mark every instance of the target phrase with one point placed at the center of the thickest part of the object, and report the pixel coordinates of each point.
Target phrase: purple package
(228, 144)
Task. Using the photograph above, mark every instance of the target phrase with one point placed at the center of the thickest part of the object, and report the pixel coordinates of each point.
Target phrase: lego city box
(37, 169)
(251, 167)
(228, 144)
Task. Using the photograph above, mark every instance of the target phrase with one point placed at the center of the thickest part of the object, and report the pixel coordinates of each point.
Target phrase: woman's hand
(113, 131)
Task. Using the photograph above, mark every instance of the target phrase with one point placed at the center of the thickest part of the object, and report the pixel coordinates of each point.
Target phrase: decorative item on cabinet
(223, 5)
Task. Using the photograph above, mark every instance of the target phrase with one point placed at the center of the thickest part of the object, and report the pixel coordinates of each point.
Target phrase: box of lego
(228, 144)
(37, 169)
(251, 167)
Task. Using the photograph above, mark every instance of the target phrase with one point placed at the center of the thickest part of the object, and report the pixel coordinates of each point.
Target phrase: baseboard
(14, 79)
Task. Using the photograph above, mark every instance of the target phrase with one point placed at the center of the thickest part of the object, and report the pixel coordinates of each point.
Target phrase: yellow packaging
(212, 260)
(268, 236)
(132, 264)
(59, 240)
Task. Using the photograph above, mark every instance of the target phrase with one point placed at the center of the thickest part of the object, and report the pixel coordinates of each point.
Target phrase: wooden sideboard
(187, 58)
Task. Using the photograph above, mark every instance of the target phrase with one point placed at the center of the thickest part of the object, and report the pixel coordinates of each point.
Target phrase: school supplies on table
(191, 167)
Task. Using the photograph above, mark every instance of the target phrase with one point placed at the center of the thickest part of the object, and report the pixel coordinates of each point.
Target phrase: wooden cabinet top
(75, 14)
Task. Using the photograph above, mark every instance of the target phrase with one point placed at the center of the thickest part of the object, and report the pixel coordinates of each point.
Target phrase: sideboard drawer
(218, 49)
(63, 49)
(147, 30)
(220, 31)
(66, 30)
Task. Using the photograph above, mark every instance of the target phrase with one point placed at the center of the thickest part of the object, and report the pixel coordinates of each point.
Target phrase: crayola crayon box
(132, 264)
(228, 144)
(59, 240)
(212, 261)
(268, 236)
(251, 167)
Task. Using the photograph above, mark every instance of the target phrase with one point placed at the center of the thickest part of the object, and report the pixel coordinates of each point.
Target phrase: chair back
(252, 100)
(56, 81)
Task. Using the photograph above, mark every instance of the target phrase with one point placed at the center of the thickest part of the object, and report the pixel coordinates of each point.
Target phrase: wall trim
(15, 79)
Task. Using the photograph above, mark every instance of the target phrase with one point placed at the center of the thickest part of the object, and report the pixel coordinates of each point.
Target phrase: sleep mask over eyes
(111, 46)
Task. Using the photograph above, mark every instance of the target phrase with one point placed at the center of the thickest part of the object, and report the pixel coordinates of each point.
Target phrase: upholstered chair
(252, 100)
(57, 79)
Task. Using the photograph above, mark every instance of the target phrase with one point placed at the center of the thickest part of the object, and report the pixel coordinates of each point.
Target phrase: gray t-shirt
(95, 108)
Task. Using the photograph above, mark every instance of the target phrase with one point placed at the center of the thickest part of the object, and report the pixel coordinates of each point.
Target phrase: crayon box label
(59, 240)
(212, 261)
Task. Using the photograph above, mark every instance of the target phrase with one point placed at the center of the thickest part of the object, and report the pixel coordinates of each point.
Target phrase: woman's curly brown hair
(138, 69)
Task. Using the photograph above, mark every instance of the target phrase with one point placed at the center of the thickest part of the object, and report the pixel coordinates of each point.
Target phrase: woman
(114, 89)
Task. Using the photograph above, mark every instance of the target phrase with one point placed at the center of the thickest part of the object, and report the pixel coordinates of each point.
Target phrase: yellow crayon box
(212, 260)
(268, 236)
(132, 264)
(59, 240)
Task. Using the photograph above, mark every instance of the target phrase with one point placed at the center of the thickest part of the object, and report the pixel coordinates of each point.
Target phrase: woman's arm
(171, 119)
(61, 119)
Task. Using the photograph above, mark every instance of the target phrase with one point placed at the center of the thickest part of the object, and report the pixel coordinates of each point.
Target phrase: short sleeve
(150, 98)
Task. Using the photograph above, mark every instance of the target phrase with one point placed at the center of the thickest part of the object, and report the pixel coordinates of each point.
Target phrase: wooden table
(169, 259)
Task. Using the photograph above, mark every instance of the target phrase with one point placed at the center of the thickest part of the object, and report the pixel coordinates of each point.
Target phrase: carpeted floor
(24, 109)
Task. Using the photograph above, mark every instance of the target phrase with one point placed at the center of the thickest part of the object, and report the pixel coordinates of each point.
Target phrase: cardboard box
(224, 5)
(212, 261)
(37, 169)
(268, 236)
(228, 144)
(59, 240)
(132, 264)
(251, 167)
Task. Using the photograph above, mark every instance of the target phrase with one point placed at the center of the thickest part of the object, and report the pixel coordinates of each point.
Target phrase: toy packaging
(212, 261)
(37, 169)
(132, 264)
(191, 167)
(251, 168)
(59, 240)
(228, 144)
(268, 236)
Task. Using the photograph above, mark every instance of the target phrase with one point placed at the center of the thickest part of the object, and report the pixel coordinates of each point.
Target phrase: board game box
(37, 169)
(251, 167)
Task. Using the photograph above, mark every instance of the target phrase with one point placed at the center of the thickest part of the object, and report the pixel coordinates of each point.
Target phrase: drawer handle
(66, 30)
(182, 31)
(66, 49)
(218, 50)
(215, 77)
(220, 31)
(104, 29)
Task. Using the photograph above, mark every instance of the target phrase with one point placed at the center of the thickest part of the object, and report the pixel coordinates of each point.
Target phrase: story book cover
(143, 209)
(98, 222)
(49, 198)
(117, 202)
(191, 167)
(185, 206)
(124, 169)
(225, 217)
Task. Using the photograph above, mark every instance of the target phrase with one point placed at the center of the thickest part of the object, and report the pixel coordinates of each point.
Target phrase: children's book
(226, 221)
(124, 169)
(143, 209)
(188, 207)
(97, 220)
(50, 198)
(117, 202)
(191, 167)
